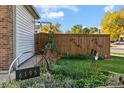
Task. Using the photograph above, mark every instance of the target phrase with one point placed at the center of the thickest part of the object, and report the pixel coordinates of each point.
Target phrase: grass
(82, 71)
(114, 64)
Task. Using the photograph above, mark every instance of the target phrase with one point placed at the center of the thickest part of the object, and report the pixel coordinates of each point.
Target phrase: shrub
(10, 85)
(51, 43)
(73, 70)
(34, 82)
(93, 81)
(80, 83)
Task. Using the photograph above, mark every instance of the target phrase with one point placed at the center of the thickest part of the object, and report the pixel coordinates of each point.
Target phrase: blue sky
(67, 16)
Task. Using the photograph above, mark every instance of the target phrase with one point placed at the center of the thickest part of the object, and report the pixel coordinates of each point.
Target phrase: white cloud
(54, 11)
(73, 8)
(109, 8)
(51, 15)
(57, 7)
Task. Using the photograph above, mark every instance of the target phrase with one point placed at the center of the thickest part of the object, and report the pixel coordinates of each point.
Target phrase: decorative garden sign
(27, 73)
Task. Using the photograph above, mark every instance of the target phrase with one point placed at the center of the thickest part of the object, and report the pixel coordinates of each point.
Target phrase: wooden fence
(74, 44)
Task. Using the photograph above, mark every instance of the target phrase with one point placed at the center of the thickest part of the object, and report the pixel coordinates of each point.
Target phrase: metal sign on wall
(27, 73)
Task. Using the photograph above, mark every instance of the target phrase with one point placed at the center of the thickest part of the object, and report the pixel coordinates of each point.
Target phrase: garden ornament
(96, 56)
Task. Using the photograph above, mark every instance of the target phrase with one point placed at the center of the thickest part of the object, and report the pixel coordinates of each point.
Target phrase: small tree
(51, 43)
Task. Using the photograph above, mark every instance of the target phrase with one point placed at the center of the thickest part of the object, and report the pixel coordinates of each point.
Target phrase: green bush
(51, 43)
(93, 81)
(96, 80)
(62, 81)
(10, 85)
(73, 70)
(80, 83)
(34, 82)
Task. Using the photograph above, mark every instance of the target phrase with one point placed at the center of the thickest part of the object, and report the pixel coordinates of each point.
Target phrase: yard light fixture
(96, 56)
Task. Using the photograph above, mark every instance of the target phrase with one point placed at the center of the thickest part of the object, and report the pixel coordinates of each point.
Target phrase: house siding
(16, 34)
(24, 33)
(6, 37)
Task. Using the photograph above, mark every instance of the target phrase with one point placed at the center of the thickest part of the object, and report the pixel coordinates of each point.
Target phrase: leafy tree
(57, 25)
(68, 31)
(76, 29)
(45, 28)
(55, 28)
(93, 30)
(85, 30)
(113, 24)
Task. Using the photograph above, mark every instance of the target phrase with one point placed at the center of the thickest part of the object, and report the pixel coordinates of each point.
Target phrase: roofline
(33, 11)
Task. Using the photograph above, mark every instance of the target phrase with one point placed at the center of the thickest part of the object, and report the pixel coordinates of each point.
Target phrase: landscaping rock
(117, 79)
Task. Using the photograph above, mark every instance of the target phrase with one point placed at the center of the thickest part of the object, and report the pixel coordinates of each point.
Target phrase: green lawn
(114, 64)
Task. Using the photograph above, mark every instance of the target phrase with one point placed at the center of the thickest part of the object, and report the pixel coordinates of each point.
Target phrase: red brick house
(16, 33)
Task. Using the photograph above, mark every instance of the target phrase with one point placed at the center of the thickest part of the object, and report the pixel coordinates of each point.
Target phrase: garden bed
(74, 72)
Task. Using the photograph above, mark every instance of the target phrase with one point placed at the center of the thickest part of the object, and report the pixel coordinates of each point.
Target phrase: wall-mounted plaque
(27, 73)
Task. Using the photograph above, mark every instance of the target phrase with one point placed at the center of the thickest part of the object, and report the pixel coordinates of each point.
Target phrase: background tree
(78, 29)
(113, 24)
(54, 27)
(45, 28)
(57, 25)
(93, 30)
(85, 30)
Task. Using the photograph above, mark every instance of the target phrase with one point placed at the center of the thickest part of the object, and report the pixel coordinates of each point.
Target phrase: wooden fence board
(74, 44)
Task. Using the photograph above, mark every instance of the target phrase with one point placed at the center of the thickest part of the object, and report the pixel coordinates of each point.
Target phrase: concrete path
(119, 55)
(117, 50)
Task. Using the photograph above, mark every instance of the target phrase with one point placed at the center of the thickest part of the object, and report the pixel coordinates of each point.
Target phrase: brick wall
(6, 33)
